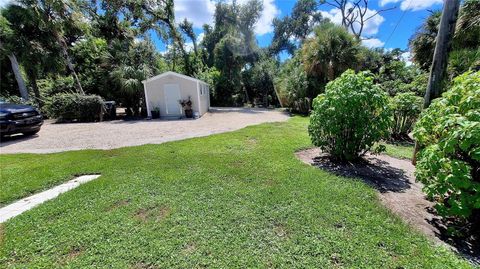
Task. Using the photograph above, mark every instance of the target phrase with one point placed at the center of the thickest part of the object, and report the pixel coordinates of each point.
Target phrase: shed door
(172, 98)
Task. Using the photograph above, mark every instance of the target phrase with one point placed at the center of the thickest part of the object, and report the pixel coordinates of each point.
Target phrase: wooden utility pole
(440, 56)
(442, 47)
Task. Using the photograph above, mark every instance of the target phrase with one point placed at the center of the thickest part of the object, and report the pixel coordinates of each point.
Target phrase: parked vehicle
(16, 118)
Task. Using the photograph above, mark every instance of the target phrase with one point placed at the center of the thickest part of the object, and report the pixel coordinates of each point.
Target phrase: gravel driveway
(115, 134)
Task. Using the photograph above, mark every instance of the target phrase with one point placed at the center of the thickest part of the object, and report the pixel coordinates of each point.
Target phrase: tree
(138, 64)
(442, 48)
(464, 42)
(6, 33)
(355, 14)
(330, 52)
(35, 47)
(187, 28)
(290, 31)
(422, 43)
(231, 45)
(58, 17)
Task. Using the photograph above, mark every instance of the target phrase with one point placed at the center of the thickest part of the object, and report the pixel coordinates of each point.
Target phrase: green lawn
(232, 200)
(399, 150)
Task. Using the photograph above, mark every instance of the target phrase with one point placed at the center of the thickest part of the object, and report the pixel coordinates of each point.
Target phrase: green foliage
(292, 87)
(449, 163)
(422, 43)
(330, 52)
(406, 108)
(350, 116)
(291, 30)
(418, 85)
(459, 61)
(75, 107)
(53, 85)
(258, 82)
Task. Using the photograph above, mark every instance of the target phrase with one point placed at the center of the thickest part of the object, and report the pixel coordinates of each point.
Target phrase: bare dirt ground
(398, 191)
(115, 134)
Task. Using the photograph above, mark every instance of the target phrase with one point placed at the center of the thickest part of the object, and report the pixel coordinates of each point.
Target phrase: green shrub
(406, 108)
(75, 107)
(350, 116)
(449, 162)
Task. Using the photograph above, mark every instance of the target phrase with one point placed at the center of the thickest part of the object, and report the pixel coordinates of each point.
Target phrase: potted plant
(156, 112)
(187, 107)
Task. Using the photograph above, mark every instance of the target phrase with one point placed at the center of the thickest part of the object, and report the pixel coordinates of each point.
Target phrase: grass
(232, 200)
(399, 150)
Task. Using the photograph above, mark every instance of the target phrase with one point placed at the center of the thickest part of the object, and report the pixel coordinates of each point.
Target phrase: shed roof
(172, 74)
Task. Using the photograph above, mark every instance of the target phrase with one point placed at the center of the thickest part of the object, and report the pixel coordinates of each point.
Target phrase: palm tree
(129, 81)
(330, 52)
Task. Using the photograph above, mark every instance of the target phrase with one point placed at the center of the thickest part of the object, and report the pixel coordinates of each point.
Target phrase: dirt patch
(189, 248)
(397, 190)
(280, 230)
(270, 182)
(336, 260)
(71, 255)
(143, 265)
(118, 204)
(152, 213)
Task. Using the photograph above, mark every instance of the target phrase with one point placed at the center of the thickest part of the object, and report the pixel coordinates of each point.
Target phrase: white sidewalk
(28, 203)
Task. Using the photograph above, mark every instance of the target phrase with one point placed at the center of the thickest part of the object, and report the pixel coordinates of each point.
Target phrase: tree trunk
(32, 76)
(69, 63)
(18, 76)
(440, 56)
(442, 47)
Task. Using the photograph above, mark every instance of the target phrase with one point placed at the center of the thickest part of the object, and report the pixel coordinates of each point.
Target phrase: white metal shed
(164, 92)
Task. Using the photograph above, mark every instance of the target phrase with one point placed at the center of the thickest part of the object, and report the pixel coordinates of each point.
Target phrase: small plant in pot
(156, 112)
(187, 107)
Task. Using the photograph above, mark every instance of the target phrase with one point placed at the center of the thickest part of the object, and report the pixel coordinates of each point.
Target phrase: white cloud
(200, 37)
(264, 24)
(386, 2)
(373, 43)
(407, 58)
(413, 5)
(200, 12)
(371, 26)
(189, 46)
(5, 2)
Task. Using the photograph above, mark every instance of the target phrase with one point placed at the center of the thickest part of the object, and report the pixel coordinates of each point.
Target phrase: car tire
(31, 133)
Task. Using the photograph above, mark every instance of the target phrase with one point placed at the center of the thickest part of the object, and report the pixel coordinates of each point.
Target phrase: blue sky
(408, 14)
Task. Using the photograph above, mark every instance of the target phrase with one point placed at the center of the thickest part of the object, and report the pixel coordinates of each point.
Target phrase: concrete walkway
(115, 134)
(28, 203)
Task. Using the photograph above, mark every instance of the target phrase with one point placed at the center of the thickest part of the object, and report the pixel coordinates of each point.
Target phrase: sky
(391, 29)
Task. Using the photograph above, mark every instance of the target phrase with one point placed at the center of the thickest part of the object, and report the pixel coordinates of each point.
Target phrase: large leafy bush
(350, 116)
(406, 108)
(449, 162)
(75, 107)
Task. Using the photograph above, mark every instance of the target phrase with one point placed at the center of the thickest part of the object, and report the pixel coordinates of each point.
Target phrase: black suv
(16, 119)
